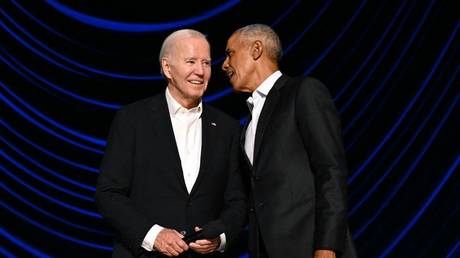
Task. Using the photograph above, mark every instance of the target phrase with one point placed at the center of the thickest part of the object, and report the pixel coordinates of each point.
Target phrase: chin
(239, 88)
(198, 94)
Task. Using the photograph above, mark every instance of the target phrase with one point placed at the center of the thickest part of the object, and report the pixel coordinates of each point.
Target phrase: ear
(166, 67)
(257, 49)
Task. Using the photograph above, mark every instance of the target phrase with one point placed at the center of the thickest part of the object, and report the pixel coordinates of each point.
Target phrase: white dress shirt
(255, 103)
(186, 125)
(187, 129)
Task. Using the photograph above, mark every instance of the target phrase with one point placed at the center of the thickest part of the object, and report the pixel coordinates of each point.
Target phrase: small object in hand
(192, 236)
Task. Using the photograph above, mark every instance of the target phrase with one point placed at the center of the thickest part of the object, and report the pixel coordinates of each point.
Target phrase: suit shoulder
(311, 84)
(309, 87)
(137, 110)
(140, 104)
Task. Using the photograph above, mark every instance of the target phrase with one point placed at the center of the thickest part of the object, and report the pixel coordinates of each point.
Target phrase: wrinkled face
(239, 64)
(188, 69)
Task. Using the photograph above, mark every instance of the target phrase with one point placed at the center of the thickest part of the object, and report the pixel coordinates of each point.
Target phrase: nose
(199, 68)
(225, 64)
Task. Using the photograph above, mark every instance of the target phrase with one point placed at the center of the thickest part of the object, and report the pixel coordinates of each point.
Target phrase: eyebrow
(195, 58)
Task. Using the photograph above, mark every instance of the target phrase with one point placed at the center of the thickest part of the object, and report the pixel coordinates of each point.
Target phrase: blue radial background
(391, 66)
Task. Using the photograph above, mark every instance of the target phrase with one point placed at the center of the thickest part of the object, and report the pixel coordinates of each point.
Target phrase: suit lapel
(242, 139)
(208, 136)
(166, 140)
(266, 113)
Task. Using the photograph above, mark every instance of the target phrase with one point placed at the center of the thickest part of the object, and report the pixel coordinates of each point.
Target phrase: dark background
(391, 66)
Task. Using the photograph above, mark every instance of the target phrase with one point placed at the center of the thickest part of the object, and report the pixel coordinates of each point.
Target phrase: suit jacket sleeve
(233, 216)
(114, 182)
(319, 124)
(234, 212)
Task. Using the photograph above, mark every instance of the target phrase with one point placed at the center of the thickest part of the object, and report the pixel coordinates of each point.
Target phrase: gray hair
(171, 41)
(267, 35)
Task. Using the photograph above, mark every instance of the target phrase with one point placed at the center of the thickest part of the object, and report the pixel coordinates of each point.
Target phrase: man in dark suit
(171, 164)
(293, 154)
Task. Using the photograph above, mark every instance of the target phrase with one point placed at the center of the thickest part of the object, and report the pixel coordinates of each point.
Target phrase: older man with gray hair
(292, 152)
(170, 183)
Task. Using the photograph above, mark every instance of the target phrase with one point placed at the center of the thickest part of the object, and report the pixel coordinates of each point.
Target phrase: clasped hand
(169, 242)
(205, 246)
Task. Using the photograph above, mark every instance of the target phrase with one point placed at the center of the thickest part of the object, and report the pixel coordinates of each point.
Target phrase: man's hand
(324, 254)
(169, 242)
(205, 246)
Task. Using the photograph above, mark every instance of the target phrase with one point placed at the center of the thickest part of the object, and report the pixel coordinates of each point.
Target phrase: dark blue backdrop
(392, 67)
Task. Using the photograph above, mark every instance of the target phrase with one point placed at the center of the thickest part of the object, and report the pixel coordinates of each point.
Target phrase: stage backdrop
(392, 68)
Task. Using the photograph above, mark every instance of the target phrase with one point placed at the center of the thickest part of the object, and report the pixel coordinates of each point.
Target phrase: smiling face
(239, 64)
(188, 70)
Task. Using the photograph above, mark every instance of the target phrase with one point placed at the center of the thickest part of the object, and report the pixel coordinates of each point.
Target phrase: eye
(190, 61)
(207, 63)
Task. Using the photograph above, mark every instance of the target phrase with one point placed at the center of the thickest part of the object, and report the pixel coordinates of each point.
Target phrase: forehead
(193, 46)
(234, 41)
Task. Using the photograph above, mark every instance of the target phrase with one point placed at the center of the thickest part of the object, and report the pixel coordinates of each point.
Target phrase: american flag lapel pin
(213, 124)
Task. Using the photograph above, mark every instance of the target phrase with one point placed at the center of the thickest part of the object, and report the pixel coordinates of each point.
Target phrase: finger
(196, 247)
(203, 242)
(175, 248)
(203, 248)
(167, 254)
(178, 234)
(171, 252)
(206, 250)
(182, 244)
(178, 247)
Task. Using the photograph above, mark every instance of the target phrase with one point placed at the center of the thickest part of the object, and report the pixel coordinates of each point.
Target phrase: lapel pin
(213, 124)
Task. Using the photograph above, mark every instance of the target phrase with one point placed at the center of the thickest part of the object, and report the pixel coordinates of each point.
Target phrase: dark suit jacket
(298, 181)
(141, 181)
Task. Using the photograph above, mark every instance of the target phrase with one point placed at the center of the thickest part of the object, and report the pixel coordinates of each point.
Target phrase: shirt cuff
(223, 242)
(149, 239)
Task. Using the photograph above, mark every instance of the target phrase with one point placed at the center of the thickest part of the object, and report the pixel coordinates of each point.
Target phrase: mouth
(196, 82)
(230, 74)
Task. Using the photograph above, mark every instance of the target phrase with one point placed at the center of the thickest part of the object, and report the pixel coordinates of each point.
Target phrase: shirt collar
(174, 107)
(264, 88)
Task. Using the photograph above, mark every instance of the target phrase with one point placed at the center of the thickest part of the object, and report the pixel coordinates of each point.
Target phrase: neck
(187, 103)
(262, 73)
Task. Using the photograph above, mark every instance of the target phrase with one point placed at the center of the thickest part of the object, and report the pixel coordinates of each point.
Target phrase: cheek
(187, 74)
(244, 69)
(208, 73)
(241, 64)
